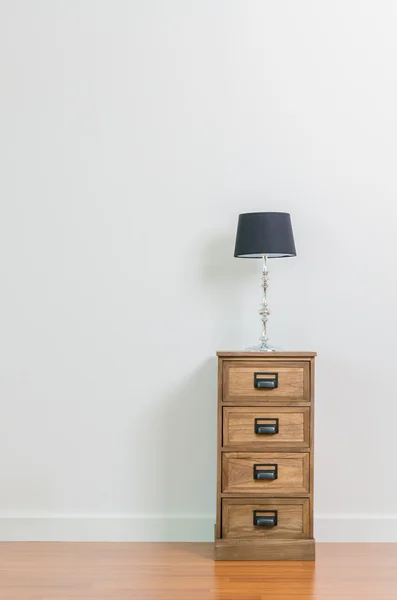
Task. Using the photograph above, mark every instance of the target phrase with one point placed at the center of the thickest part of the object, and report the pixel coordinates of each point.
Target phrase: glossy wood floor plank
(60, 571)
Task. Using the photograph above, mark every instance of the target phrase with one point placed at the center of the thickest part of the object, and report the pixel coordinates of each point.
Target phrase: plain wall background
(132, 135)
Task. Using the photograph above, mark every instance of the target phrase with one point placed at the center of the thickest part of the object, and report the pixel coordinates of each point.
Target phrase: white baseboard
(108, 528)
(356, 528)
(184, 528)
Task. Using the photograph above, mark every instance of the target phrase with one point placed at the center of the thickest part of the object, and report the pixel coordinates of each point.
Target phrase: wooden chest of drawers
(265, 456)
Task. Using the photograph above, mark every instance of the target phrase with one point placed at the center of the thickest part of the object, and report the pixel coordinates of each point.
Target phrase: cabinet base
(264, 550)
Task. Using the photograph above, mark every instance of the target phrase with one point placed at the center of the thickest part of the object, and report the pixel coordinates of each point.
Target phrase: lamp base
(263, 348)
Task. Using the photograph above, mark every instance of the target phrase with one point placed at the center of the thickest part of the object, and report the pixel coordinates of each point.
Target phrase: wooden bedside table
(265, 456)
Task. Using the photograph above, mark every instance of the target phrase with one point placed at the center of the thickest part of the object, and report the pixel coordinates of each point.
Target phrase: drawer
(266, 428)
(265, 473)
(266, 381)
(273, 518)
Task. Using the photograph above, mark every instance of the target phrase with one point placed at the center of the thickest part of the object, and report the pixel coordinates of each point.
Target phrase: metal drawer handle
(264, 518)
(265, 474)
(266, 428)
(266, 380)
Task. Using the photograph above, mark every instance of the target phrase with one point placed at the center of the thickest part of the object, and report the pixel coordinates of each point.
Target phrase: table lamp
(264, 235)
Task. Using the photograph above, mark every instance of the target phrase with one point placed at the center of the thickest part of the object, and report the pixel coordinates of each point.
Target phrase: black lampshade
(262, 233)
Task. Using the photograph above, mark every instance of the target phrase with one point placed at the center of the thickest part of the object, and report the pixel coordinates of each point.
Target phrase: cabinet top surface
(248, 354)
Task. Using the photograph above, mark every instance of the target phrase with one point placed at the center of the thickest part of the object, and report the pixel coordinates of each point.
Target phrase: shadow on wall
(224, 278)
(185, 438)
(219, 264)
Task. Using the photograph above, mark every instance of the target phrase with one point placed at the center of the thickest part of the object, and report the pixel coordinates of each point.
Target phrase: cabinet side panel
(219, 447)
(312, 409)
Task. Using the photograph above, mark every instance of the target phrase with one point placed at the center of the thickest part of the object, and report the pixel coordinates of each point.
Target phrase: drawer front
(267, 381)
(275, 518)
(265, 473)
(266, 428)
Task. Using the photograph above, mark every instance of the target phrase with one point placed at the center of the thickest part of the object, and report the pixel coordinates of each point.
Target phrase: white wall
(132, 135)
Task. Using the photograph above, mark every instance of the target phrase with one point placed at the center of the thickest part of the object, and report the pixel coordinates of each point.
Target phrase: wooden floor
(59, 571)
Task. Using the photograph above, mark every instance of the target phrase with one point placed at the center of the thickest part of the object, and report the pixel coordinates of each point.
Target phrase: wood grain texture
(293, 381)
(218, 524)
(123, 571)
(312, 453)
(292, 518)
(238, 473)
(247, 549)
(293, 428)
(273, 403)
(268, 356)
(240, 448)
